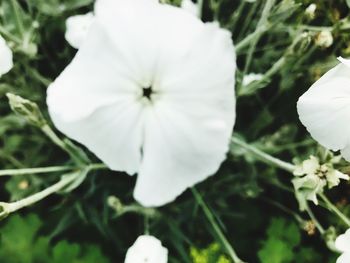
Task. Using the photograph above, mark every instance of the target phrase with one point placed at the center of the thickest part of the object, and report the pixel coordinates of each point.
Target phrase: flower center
(147, 92)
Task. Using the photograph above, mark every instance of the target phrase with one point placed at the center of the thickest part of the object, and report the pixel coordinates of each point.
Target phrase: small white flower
(6, 60)
(151, 91)
(247, 79)
(190, 7)
(77, 28)
(147, 249)
(324, 39)
(310, 11)
(325, 109)
(312, 177)
(342, 243)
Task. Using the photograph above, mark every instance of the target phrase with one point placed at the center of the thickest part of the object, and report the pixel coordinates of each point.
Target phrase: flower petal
(194, 118)
(97, 76)
(113, 133)
(325, 109)
(189, 127)
(6, 62)
(342, 243)
(147, 249)
(77, 29)
(344, 258)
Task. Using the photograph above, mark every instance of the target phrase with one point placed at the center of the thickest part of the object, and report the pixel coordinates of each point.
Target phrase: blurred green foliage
(21, 243)
(252, 201)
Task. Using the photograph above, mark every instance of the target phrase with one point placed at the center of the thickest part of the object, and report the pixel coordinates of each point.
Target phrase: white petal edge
(6, 57)
(342, 243)
(325, 110)
(344, 258)
(147, 249)
(77, 28)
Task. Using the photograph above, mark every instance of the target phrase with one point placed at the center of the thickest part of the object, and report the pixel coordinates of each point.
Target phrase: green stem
(262, 22)
(273, 70)
(17, 17)
(264, 156)
(333, 208)
(15, 206)
(37, 170)
(200, 4)
(8, 208)
(50, 169)
(216, 227)
(246, 41)
(314, 219)
(60, 143)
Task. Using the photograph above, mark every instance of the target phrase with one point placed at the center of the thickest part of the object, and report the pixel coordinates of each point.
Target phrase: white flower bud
(147, 249)
(324, 39)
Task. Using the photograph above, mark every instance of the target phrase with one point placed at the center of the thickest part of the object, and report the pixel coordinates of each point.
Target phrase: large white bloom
(147, 249)
(77, 28)
(190, 7)
(150, 91)
(6, 61)
(325, 109)
(342, 243)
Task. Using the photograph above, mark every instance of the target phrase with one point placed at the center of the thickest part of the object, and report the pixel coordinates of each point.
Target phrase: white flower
(342, 243)
(190, 7)
(325, 109)
(6, 60)
(310, 10)
(151, 91)
(324, 39)
(247, 79)
(312, 177)
(147, 249)
(77, 28)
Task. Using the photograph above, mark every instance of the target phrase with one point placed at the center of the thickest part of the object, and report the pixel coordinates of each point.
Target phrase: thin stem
(245, 42)
(314, 219)
(333, 208)
(60, 143)
(216, 227)
(264, 156)
(262, 22)
(37, 170)
(50, 169)
(200, 8)
(12, 207)
(4, 32)
(17, 17)
(246, 90)
(7, 208)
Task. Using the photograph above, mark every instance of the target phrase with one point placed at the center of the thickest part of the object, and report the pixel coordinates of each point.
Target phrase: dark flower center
(147, 92)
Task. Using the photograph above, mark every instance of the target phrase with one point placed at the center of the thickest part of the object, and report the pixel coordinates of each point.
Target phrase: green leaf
(282, 238)
(348, 3)
(20, 243)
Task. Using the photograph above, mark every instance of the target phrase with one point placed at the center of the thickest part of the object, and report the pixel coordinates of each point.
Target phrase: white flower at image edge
(147, 249)
(190, 7)
(6, 60)
(342, 243)
(150, 91)
(325, 109)
(77, 28)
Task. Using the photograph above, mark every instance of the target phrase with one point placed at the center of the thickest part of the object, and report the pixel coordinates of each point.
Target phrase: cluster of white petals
(150, 91)
(147, 249)
(325, 109)
(342, 243)
(6, 60)
(311, 177)
(77, 28)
